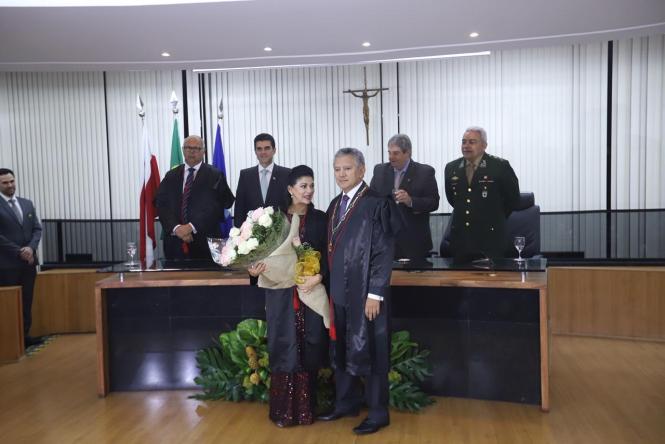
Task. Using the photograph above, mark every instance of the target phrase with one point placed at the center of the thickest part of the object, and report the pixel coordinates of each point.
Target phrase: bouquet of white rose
(258, 236)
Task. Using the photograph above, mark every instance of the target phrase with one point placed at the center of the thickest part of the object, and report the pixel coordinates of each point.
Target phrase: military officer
(483, 190)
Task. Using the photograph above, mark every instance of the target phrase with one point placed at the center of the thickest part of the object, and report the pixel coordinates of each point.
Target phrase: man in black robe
(360, 253)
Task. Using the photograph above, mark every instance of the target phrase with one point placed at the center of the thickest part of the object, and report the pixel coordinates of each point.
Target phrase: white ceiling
(232, 34)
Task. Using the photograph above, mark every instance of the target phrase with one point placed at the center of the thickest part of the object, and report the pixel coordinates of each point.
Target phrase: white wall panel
(124, 128)
(55, 139)
(543, 110)
(307, 112)
(6, 150)
(638, 131)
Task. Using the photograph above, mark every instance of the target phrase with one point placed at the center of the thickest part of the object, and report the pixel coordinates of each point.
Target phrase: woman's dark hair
(295, 174)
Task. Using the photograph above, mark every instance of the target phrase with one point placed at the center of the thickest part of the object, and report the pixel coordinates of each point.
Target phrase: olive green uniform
(480, 208)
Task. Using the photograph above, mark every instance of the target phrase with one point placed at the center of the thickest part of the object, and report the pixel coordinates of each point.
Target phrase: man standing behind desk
(413, 187)
(360, 254)
(20, 233)
(260, 186)
(483, 190)
(190, 202)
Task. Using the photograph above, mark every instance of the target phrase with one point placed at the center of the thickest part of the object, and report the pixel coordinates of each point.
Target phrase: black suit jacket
(248, 193)
(15, 235)
(415, 239)
(209, 196)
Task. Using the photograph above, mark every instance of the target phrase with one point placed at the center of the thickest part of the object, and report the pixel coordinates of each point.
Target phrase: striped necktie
(342, 209)
(17, 212)
(185, 195)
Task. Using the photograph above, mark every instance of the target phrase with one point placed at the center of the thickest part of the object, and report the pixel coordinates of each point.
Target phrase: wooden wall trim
(64, 301)
(11, 324)
(625, 302)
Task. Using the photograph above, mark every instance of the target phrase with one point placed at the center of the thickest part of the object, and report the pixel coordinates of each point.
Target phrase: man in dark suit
(483, 190)
(20, 233)
(360, 254)
(413, 187)
(190, 202)
(263, 185)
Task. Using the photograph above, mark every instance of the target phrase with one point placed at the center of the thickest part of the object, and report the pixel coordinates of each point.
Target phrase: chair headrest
(526, 201)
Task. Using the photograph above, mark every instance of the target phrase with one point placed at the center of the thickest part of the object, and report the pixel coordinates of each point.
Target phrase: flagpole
(142, 223)
(218, 162)
(176, 153)
(149, 186)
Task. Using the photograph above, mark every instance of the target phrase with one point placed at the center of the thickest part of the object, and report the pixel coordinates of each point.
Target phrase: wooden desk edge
(100, 321)
(400, 278)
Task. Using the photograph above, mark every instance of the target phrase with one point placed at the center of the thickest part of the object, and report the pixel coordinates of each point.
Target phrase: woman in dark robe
(297, 338)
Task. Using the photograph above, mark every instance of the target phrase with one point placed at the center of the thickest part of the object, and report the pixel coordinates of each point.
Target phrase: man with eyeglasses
(190, 201)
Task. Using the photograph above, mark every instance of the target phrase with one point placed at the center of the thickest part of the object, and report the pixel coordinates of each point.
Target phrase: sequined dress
(297, 341)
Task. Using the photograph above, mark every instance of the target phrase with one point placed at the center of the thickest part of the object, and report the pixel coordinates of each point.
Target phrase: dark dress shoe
(336, 415)
(368, 426)
(33, 340)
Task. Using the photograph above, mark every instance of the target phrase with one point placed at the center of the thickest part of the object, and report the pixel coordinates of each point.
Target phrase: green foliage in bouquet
(274, 234)
(408, 368)
(238, 369)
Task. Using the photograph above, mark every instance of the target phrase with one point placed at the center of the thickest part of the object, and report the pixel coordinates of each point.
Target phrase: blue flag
(218, 162)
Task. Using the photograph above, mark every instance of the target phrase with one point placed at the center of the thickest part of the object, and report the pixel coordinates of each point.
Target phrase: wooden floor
(602, 391)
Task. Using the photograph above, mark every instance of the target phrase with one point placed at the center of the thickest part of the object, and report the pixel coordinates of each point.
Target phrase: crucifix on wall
(365, 94)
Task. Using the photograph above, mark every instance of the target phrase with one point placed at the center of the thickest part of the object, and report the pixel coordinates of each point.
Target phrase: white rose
(265, 220)
(243, 248)
(252, 243)
(269, 211)
(235, 232)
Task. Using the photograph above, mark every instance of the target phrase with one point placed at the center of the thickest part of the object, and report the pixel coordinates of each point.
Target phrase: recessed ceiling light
(367, 44)
(166, 54)
(267, 49)
(473, 35)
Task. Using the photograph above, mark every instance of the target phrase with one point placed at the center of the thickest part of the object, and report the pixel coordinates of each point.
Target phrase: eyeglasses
(192, 148)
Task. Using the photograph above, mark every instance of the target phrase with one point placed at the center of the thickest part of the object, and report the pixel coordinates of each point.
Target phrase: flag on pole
(149, 186)
(176, 152)
(218, 162)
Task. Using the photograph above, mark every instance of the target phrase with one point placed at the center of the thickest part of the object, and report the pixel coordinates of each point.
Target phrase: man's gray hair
(355, 152)
(401, 141)
(479, 130)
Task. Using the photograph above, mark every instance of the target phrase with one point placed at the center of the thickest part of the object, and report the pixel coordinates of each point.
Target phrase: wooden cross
(365, 95)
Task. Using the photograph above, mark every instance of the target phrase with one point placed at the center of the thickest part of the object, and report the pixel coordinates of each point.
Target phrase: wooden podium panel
(64, 301)
(147, 335)
(11, 324)
(619, 302)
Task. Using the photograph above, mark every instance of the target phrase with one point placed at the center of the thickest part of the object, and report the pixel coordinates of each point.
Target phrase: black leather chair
(523, 221)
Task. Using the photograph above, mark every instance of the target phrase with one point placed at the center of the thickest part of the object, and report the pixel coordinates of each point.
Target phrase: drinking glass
(519, 243)
(131, 251)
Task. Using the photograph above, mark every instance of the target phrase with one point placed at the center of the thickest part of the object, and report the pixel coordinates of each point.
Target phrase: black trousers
(349, 389)
(349, 395)
(25, 277)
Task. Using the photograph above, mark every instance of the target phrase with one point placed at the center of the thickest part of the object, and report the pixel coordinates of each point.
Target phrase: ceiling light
(166, 54)
(367, 44)
(267, 49)
(473, 35)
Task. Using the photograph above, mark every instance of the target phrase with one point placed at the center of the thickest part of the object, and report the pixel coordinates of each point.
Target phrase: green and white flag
(176, 152)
